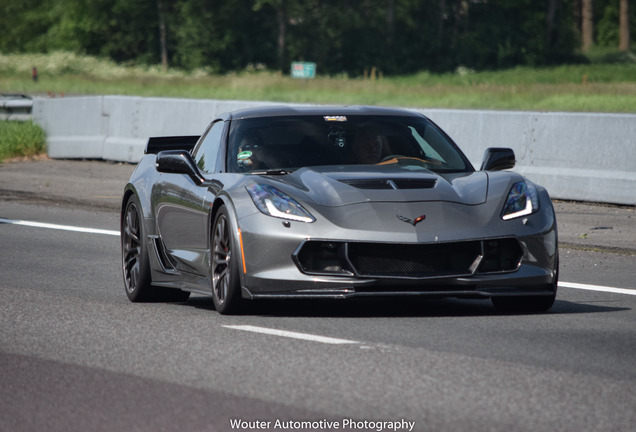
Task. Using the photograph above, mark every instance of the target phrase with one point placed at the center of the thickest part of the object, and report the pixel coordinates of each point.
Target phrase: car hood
(345, 185)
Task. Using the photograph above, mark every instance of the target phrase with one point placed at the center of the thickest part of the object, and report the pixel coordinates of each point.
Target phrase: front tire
(226, 287)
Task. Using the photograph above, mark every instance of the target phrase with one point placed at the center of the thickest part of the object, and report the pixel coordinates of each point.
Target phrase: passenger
(366, 148)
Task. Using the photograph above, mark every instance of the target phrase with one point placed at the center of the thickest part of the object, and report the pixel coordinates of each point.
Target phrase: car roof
(284, 111)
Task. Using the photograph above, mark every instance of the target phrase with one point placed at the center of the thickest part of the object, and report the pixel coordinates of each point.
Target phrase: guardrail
(583, 157)
(15, 107)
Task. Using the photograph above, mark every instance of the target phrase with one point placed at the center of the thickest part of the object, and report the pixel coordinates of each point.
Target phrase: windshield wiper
(277, 171)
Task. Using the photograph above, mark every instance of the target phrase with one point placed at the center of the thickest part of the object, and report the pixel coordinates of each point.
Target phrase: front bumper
(279, 260)
(527, 280)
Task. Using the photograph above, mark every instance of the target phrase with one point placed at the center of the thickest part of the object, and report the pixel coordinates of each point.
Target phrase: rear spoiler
(157, 144)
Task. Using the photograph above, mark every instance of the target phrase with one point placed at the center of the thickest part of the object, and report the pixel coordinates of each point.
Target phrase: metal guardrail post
(15, 107)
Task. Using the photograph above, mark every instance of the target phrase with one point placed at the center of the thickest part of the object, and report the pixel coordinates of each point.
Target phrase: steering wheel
(397, 157)
(393, 156)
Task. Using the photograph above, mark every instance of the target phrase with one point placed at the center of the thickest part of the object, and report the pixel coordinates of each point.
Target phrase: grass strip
(607, 84)
(20, 139)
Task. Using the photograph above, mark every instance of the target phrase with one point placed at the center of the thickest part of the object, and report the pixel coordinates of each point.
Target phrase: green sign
(303, 70)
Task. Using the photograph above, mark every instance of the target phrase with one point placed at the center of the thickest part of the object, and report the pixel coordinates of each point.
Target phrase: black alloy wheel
(134, 254)
(226, 290)
(135, 261)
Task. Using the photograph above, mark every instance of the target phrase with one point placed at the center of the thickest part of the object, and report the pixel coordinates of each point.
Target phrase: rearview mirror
(497, 159)
(178, 162)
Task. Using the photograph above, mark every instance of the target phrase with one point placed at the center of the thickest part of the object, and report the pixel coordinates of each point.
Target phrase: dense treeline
(341, 36)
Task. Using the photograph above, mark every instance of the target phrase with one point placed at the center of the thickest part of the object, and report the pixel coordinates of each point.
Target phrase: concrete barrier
(576, 156)
(585, 157)
(117, 127)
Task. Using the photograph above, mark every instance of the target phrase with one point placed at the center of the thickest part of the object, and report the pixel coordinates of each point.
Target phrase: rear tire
(135, 261)
(224, 259)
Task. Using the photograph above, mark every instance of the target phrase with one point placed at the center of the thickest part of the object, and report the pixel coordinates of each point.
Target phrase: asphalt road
(75, 355)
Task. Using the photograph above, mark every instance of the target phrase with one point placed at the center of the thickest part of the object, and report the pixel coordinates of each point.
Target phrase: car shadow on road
(393, 307)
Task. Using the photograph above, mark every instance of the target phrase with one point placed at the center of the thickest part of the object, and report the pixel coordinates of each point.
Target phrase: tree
(162, 35)
(26, 24)
(390, 21)
(552, 8)
(281, 45)
(624, 26)
(282, 17)
(587, 24)
(341, 36)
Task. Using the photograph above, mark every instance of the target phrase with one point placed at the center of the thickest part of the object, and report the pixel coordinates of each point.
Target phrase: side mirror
(178, 162)
(497, 159)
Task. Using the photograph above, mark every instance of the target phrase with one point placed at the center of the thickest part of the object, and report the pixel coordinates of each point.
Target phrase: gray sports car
(333, 202)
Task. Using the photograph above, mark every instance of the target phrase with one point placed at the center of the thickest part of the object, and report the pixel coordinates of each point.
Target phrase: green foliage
(20, 139)
(28, 26)
(353, 37)
(607, 30)
(506, 33)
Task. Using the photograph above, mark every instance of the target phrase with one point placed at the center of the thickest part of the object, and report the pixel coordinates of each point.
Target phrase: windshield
(282, 144)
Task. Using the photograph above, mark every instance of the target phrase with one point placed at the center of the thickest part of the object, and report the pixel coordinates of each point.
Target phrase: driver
(366, 148)
(252, 154)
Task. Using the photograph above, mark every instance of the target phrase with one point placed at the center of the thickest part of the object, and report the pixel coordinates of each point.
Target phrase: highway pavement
(76, 355)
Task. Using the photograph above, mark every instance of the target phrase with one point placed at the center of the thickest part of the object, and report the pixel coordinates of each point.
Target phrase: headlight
(522, 201)
(273, 202)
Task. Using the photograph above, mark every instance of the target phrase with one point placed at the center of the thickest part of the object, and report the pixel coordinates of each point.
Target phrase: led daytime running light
(522, 200)
(272, 202)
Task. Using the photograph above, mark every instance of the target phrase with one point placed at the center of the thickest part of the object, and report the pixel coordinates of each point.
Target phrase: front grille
(399, 260)
(391, 260)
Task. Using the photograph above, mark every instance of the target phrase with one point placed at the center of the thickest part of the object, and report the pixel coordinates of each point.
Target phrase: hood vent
(400, 183)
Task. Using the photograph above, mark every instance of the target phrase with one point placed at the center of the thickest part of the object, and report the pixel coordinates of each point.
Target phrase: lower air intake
(428, 260)
(387, 260)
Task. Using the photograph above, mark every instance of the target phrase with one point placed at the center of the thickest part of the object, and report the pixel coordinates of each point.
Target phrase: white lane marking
(59, 227)
(597, 288)
(283, 333)
(293, 335)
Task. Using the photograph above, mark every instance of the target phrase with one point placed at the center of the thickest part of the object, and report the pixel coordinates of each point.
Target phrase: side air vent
(165, 261)
(406, 183)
